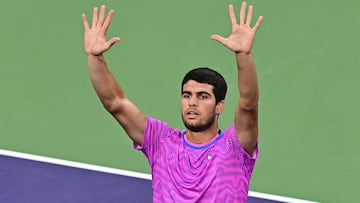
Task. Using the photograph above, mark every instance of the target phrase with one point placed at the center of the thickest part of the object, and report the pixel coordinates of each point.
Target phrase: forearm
(106, 86)
(247, 81)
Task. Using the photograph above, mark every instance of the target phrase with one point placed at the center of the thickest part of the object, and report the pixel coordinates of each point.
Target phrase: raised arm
(107, 88)
(240, 42)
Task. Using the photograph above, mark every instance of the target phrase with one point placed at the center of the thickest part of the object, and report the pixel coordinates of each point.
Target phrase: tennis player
(201, 163)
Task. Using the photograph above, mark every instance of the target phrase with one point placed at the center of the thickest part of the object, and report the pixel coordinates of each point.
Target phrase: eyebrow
(198, 93)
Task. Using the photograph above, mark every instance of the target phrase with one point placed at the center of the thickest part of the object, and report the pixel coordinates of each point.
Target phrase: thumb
(218, 38)
(112, 41)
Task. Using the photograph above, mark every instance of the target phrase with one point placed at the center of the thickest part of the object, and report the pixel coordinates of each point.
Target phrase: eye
(203, 96)
(186, 96)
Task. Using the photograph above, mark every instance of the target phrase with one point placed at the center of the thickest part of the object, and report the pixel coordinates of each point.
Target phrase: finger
(258, 23)
(102, 14)
(242, 13)
(232, 14)
(85, 22)
(249, 16)
(94, 17)
(108, 19)
(112, 41)
(219, 39)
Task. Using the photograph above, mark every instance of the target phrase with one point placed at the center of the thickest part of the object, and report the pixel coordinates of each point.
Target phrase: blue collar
(200, 147)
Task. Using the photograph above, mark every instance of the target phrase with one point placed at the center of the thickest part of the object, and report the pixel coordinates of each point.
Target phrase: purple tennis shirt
(216, 171)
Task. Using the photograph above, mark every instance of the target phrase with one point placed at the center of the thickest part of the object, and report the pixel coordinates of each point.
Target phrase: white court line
(75, 164)
(278, 198)
(128, 173)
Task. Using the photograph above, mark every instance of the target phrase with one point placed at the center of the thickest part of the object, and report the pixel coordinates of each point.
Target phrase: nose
(192, 101)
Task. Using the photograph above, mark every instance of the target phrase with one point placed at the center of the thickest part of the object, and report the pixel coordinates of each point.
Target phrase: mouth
(191, 114)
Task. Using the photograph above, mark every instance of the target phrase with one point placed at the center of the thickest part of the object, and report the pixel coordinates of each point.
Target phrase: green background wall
(307, 59)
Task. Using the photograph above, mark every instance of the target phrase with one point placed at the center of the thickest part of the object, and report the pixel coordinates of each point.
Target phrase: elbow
(249, 103)
(112, 105)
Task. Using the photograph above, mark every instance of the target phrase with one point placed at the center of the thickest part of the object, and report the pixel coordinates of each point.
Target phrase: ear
(219, 107)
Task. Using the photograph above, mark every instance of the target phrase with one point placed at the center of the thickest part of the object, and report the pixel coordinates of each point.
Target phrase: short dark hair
(209, 76)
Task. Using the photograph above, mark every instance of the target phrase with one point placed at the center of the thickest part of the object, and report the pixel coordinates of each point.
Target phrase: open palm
(242, 35)
(95, 42)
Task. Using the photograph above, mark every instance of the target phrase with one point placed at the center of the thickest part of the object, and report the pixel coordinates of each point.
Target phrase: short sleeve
(152, 137)
(247, 160)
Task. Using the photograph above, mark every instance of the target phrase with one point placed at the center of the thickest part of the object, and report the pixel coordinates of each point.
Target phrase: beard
(200, 126)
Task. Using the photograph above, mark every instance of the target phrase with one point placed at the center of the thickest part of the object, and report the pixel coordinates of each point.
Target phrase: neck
(201, 137)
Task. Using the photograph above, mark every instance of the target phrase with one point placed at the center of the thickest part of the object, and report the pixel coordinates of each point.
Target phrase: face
(199, 110)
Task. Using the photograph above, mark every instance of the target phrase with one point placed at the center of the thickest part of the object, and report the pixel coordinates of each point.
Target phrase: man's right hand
(95, 37)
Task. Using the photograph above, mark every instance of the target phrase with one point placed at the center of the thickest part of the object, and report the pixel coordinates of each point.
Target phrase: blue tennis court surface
(28, 178)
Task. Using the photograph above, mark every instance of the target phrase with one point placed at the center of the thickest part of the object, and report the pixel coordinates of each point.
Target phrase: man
(201, 163)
